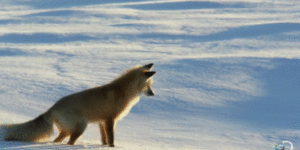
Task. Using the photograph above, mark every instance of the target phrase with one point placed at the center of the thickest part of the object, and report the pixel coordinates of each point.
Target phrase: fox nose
(150, 92)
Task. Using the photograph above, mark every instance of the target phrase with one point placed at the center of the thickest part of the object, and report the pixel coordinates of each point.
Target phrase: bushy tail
(36, 130)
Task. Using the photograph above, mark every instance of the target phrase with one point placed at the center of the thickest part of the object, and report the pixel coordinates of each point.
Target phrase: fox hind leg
(79, 129)
(62, 135)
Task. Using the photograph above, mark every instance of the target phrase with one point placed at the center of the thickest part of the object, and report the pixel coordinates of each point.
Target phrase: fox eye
(149, 74)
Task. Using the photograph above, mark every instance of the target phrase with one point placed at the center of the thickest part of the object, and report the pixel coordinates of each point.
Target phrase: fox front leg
(103, 133)
(108, 127)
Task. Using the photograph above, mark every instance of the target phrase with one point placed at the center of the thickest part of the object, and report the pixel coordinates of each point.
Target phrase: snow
(227, 71)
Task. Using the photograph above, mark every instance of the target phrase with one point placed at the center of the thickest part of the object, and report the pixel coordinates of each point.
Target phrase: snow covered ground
(227, 71)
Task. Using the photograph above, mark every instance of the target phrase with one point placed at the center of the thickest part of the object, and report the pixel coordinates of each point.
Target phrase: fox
(105, 105)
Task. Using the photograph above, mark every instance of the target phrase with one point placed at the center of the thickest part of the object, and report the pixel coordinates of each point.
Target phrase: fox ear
(149, 74)
(149, 66)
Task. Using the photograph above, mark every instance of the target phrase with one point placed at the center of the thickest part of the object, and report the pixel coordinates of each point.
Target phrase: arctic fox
(104, 105)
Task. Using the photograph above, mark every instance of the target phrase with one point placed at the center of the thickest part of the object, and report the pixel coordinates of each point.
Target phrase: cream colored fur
(104, 105)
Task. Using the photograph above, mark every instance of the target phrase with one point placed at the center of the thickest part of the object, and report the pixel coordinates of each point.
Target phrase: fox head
(137, 80)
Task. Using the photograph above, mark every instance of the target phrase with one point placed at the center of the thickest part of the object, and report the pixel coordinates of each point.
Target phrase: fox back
(110, 100)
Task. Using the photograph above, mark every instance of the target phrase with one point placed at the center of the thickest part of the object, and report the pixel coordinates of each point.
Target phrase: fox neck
(132, 91)
(128, 89)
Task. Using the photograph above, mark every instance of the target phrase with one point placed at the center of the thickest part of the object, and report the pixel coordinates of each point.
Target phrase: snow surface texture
(227, 71)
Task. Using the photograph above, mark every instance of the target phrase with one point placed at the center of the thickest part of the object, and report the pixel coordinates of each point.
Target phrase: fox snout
(149, 92)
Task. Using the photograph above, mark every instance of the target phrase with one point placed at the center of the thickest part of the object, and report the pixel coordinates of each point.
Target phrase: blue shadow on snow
(44, 38)
(251, 31)
(134, 25)
(45, 17)
(11, 52)
(57, 13)
(280, 107)
(42, 4)
(9, 21)
(186, 5)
